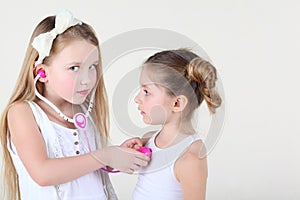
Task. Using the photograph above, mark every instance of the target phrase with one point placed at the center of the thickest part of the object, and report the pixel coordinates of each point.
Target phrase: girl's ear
(40, 69)
(180, 103)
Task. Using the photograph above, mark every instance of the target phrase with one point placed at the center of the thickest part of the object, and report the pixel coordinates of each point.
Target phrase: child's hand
(134, 143)
(122, 158)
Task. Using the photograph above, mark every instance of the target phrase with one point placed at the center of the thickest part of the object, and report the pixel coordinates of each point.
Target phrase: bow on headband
(43, 42)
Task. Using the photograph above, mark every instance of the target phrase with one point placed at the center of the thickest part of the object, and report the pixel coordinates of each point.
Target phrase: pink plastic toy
(42, 73)
(145, 150)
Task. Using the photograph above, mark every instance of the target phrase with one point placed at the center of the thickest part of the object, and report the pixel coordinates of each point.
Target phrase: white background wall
(256, 48)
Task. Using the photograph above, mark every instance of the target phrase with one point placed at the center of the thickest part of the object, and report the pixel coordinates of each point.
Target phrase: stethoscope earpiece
(42, 73)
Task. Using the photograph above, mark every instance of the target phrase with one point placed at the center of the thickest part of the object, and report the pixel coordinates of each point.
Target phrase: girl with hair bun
(173, 84)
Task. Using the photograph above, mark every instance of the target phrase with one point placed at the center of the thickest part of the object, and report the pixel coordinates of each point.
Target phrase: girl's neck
(66, 108)
(173, 133)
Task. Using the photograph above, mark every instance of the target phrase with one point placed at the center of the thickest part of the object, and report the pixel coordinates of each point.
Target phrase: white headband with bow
(43, 42)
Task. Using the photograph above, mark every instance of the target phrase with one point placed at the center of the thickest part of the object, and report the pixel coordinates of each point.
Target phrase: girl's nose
(85, 77)
(137, 99)
(85, 81)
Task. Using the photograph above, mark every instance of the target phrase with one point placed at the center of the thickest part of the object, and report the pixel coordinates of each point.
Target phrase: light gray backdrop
(255, 46)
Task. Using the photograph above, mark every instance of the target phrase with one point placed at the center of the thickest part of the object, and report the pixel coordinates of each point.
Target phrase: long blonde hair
(24, 90)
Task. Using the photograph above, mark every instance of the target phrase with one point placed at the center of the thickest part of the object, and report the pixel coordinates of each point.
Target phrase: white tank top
(157, 180)
(60, 142)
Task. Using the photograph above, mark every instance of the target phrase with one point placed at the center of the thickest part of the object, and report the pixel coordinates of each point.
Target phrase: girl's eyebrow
(80, 63)
(146, 85)
(94, 62)
(73, 63)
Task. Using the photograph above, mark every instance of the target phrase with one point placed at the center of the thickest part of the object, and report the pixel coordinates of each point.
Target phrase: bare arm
(191, 172)
(31, 149)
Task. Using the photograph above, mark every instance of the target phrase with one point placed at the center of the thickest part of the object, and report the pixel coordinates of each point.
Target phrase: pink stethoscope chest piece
(145, 150)
(80, 120)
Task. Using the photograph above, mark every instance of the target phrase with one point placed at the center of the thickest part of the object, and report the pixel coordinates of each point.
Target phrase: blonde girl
(173, 83)
(56, 117)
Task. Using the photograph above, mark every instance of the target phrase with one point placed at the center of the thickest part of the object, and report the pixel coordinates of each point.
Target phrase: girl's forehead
(145, 79)
(150, 79)
(79, 51)
(147, 83)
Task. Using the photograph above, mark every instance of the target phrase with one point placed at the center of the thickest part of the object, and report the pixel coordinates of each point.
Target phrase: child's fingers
(141, 162)
(136, 146)
(137, 141)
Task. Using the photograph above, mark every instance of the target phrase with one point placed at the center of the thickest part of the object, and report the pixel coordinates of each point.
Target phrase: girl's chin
(150, 122)
(78, 101)
(147, 121)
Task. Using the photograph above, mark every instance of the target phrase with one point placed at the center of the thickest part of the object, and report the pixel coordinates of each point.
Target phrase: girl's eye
(93, 66)
(146, 92)
(74, 68)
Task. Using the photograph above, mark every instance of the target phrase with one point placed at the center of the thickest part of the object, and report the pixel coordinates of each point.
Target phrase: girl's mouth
(83, 92)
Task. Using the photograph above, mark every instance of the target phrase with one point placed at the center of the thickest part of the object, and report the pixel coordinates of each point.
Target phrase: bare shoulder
(196, 149)
(19, 110)
(20, 116)
(195, 152)
(193, 159)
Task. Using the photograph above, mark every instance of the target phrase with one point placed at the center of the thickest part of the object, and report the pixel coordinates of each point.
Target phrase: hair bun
(202, 71)
(205, 74)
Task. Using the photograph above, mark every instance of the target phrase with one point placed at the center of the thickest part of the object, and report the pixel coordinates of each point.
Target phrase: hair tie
(43, 42)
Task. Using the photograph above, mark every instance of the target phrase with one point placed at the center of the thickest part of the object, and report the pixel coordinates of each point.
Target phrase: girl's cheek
(68, 85)
(158, 114)
(93, 77)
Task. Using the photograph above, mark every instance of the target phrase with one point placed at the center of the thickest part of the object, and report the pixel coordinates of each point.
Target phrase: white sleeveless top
(157, 180)
(60, 142)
